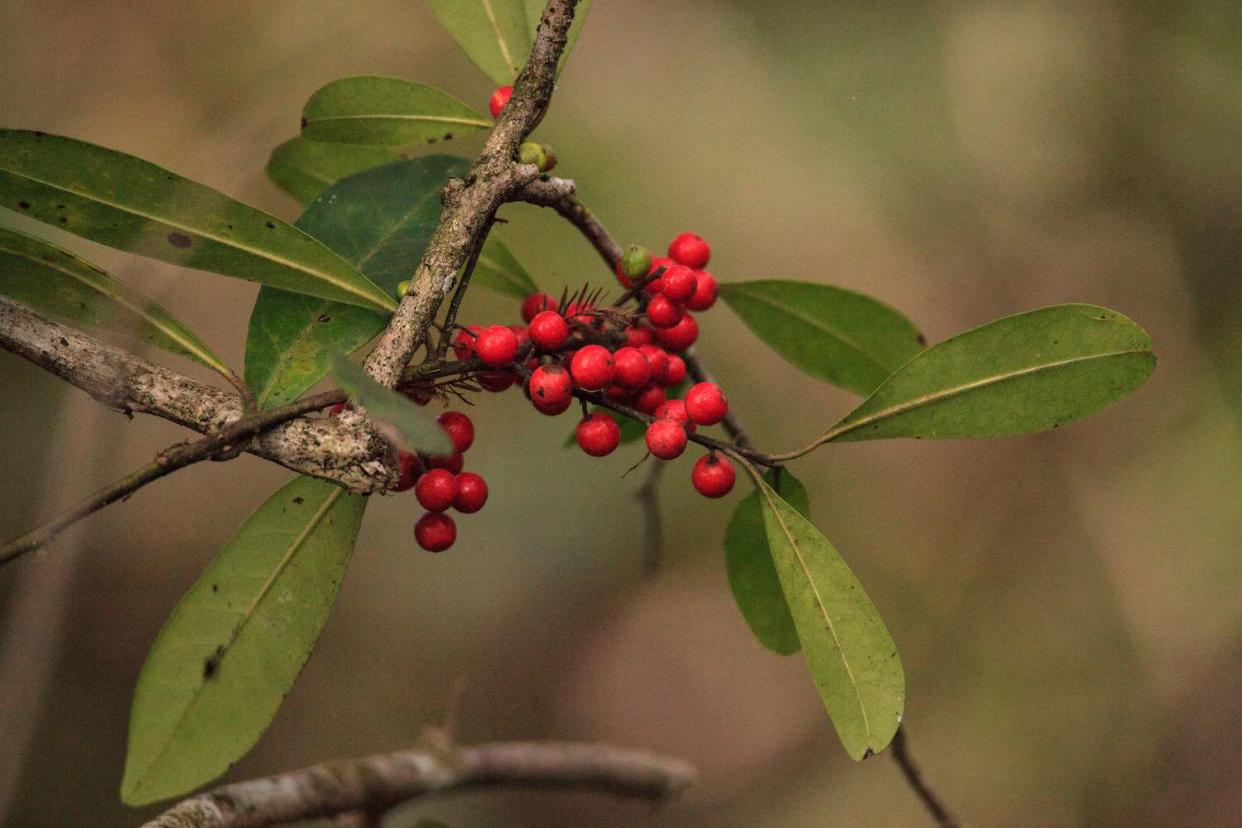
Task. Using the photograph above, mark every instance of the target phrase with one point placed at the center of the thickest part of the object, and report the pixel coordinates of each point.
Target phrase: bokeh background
(1066, 603)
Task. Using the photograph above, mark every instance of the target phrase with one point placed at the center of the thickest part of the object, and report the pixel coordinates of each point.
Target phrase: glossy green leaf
(752, 574)
(237, 640)
(837, 335)
(492, 33)
(127, 203)
(304, 169)
(404, 422)
(56, 282)
(499, 270)
(1017, 375)
(534, 13)
(851, 656)
(379, 220)
(387, 112)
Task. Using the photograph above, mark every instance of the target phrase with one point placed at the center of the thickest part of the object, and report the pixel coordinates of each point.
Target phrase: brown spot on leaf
(323, 317)
(299, 500)
(25, 205)
(270, 226)
(179, 240)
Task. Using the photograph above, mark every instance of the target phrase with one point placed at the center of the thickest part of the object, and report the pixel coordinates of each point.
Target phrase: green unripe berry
(402, 287)
(636, 261)
(550, 163)
(532, 153)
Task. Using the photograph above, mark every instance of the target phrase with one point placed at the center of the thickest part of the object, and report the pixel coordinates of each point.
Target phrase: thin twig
(901, 755)
(463, 283)
(377, 783)
(653, 549)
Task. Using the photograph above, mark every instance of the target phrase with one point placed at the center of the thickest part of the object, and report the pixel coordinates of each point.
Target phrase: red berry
(659, 362)
(459, 429)
(495, 381)
(666, 439)
(675, 373)
(713, 475)
(617, 393)
(336, 409)
(552, 409)
(550, 386)
(496, 345)
(464, 342)
(548, 330)
(420, 393)
(435, 532)
(637, 337)
(436, 489)
(535, 303)
(592, 367)
(633, 367)
(522, 333)
(448, 462)
(598, 434)
(411, 468)
(471, 493)
(498, 100)
(675, 410)
(690, 249)
(706, 403)
(681, 336)
(657, 285)
(679, 283)
(648, 399)
(705, 289)
(663, 312)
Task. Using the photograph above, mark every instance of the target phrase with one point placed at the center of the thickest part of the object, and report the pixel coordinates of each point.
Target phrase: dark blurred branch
(653, 549)
(374, 784)
(901, 755)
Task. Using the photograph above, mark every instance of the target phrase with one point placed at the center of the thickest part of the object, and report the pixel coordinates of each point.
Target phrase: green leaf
(534, 12)
(851, 656)
(387, 112)
(1017, 375)
(837, 335)
(56, 282)
(127, 203)
(380, 221)
(752, 574)
(304, 169)
(237, 640)
(407, 424)
(492, 33)
(498, 270)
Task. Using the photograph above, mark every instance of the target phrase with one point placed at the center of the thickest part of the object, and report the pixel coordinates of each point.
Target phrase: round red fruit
(535, 303)
(633, 367)
(411, 467)
(713, 475)
(550, 385)
(336, 409)
(663, 312)
(471, 493)
(656, 285)
(706, 403)
(548, 330)
(598, 434)
(496, 381)
(420, 393)
(436, 489)
(675, 373)
(617, 393)
(675, 410)
(448, 462)
(592, 367)
(705, 289)
(497, 345)
(435, 532)
(679, 283)
(554, 408)
(459, 429)
(637, 337)
(681, 336)
(666, 439)
(658, 358)
(464, 342)
(648, 398)
(499, 99)
(690, 249)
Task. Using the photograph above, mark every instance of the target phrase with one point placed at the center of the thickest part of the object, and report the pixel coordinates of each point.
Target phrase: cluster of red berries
(627, 356)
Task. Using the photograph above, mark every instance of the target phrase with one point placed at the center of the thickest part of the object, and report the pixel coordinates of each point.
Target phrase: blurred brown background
(1066, 604)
